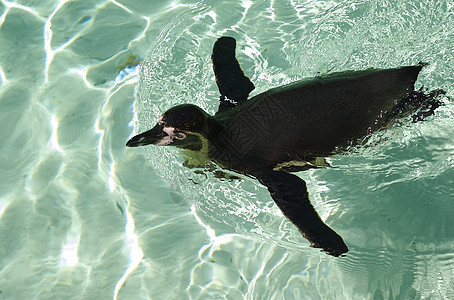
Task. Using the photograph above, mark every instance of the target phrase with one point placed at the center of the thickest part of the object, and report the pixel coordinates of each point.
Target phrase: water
(82, 217)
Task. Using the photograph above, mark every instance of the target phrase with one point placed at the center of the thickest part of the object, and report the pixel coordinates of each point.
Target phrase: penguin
(288, 129)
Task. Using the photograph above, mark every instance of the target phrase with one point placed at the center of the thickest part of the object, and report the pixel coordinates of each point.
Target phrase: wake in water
(419, 104)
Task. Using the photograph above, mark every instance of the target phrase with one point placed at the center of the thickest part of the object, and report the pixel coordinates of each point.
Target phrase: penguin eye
(180, 136)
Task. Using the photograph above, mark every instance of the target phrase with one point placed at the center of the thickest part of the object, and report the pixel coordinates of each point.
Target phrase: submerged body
(286, 129)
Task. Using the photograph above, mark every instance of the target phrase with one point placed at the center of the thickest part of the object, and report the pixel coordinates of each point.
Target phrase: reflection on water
(82, 217)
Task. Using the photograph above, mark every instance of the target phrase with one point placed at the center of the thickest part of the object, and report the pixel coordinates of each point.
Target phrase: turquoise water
(82, 217)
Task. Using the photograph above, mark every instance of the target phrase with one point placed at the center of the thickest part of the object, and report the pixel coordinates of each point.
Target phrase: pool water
(84, 217)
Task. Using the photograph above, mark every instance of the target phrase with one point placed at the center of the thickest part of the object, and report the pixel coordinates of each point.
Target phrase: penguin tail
(425, 103)
(419, 104)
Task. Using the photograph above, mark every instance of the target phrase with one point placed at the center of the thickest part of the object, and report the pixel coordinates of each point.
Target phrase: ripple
(77, 210)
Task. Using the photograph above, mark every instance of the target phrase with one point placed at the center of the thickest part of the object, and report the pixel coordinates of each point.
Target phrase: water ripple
(81, 217)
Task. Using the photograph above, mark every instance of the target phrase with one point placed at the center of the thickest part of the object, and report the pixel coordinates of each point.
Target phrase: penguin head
(183, 126)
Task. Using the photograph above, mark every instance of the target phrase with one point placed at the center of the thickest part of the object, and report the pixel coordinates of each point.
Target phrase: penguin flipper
(233, 85)
(290, 194)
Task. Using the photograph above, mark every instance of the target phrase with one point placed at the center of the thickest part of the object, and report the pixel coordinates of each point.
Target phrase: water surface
(82, 217)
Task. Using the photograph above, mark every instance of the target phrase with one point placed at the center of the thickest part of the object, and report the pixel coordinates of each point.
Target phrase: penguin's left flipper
(233, 85)
(290, 194)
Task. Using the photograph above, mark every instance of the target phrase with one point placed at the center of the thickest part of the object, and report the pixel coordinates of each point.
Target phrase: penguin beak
(152, 136)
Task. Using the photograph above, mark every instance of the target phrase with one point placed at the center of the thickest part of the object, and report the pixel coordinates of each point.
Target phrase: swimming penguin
(287, 129)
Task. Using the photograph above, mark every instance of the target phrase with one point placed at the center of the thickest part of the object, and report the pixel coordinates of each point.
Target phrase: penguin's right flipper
(290, 194)
(233, 85)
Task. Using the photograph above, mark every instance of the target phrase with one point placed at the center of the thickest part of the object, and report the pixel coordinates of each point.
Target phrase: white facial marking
(165, 141)
(170, 136)
(169, 130)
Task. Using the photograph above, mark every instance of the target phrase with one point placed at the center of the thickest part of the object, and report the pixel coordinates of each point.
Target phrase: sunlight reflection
(246, 4)
(210, 232)
(111, 180)
(82, 72)
(54, 138)
(2, 74)
(135, 252)
(48, 40)
(3, 206)
(206, 251)
(68, 256)
(9, 5)
(215, 241)
(121, 6)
